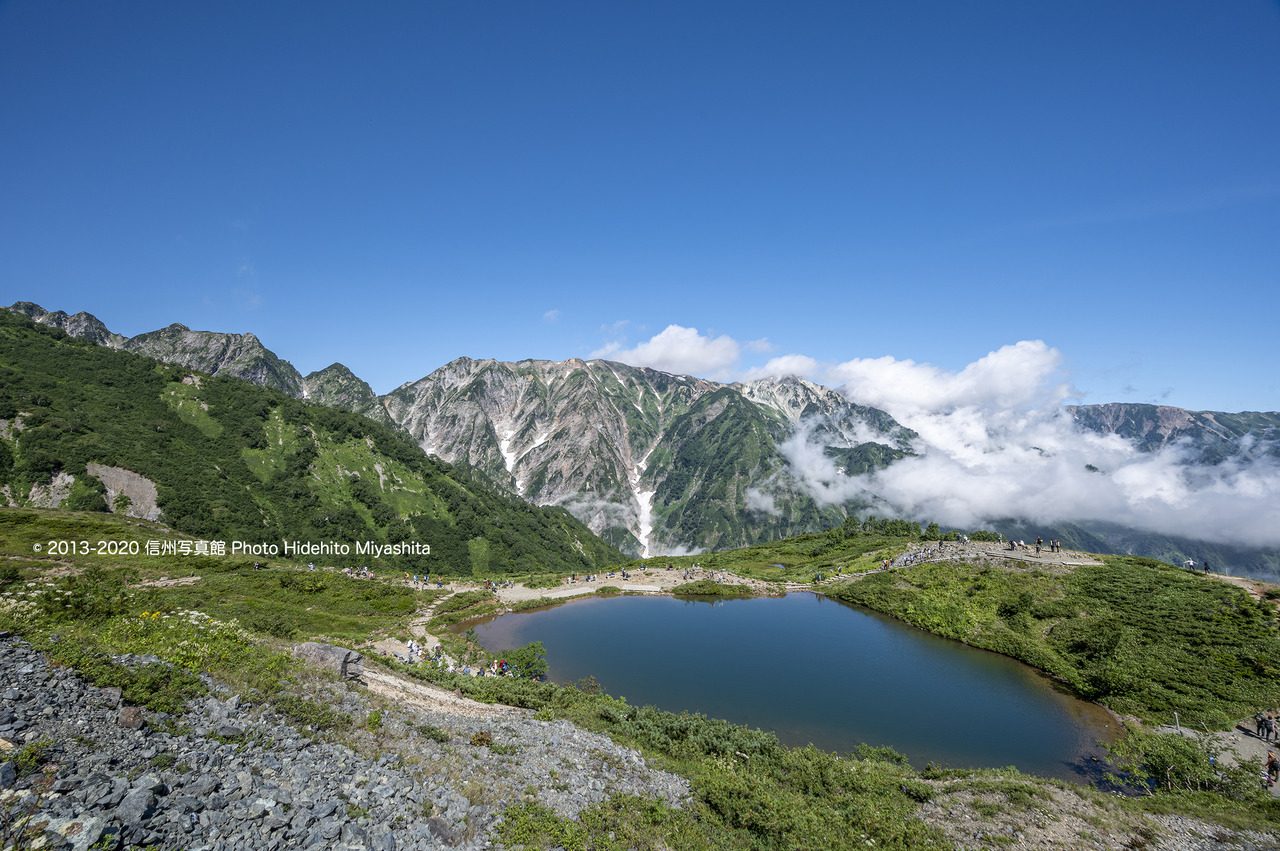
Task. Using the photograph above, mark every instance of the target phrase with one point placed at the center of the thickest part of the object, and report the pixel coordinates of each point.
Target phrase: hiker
(1273, 767)
(1260, 723)
(1269, 728)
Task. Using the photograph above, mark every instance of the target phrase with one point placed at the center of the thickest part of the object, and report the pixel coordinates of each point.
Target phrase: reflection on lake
(817, 670)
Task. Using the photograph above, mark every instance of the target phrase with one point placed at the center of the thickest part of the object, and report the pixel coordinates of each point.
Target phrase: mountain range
(651, 462)
(86, 427)
(661, 463)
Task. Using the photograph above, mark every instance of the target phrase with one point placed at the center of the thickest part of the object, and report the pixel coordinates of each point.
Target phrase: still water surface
(816, 670)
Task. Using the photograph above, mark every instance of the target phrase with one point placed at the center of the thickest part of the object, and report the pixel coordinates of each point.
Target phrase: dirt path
(166, 582)
(430, 697)
(644, 581)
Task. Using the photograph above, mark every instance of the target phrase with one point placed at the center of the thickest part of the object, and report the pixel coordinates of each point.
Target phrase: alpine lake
(815, 670)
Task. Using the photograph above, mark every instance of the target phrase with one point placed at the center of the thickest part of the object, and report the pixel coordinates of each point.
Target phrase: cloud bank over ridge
(996, 442)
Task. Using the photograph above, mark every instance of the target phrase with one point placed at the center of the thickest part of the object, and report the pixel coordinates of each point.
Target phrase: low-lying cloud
(996, 441)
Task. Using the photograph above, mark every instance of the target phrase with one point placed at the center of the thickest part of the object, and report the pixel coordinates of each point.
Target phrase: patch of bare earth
(430, 697)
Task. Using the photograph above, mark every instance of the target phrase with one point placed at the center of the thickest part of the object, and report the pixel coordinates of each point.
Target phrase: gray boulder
(347, 664)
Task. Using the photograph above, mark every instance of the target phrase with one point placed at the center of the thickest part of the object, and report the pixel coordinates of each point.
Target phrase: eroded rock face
(140, 490)
(216, 353)
(347, 664)
(52, 494)
(647, 459)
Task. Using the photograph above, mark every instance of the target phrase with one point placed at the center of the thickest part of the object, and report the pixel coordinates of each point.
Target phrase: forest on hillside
(234, 461)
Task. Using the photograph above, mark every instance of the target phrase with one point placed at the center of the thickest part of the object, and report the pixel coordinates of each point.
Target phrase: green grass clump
(620, 823)
(30, 757)
(432, 732)
(308, 713)
(711, 588)
(158, 687)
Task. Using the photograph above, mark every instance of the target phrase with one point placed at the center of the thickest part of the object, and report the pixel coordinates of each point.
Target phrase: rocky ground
(229, 775)
(1061, 819)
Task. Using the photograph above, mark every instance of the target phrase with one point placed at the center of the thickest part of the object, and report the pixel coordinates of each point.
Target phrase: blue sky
(834, 184)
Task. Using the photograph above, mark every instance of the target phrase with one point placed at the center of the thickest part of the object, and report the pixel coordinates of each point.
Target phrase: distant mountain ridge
(1211, 435)
(652, 462)
(655, 462)
(92, 428)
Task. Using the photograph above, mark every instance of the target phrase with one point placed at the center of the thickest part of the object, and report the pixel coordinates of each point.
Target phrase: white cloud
(817, 472)
(762, 345)
(996, 442)
(1024, 374)
(551, 316)
(680, 350)
(783, 365)
(758, 500)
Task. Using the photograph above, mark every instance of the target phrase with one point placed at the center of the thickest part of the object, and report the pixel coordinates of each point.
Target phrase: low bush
(157, 686)
(300, 710)
(711, 588)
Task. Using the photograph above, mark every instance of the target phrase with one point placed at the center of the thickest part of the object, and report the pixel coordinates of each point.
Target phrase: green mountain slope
(233, 461)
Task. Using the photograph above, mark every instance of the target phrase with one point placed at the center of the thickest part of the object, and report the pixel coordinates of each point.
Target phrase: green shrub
(547, 581)
(300, 710)
(711, 588)
(432, 732)
(157, 686)
(9, 575)
(1170, 762)
(529, 661)
(28, 759)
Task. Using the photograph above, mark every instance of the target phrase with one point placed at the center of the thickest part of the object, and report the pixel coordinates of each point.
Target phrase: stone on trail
(347, 664)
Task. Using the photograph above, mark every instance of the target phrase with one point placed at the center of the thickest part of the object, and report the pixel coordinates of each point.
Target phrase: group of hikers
(1053, 545)
(418, 656)
(1267, 728)
(420, 580)
(358, 573)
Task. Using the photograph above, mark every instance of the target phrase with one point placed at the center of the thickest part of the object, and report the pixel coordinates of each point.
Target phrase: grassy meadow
(1148, 638)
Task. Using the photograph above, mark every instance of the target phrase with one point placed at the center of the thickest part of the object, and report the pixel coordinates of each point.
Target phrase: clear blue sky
(393, 185)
